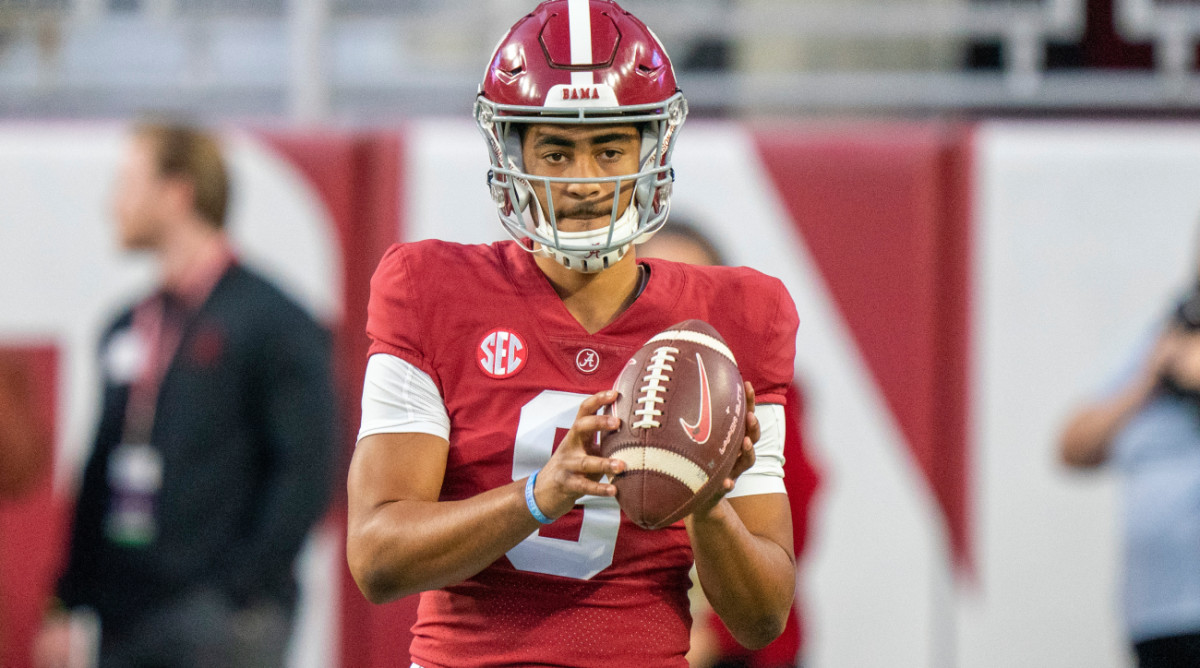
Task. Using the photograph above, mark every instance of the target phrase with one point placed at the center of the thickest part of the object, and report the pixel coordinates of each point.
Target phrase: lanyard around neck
(160, 334)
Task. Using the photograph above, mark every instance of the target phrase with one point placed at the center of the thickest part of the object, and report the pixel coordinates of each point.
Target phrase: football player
(472, 480)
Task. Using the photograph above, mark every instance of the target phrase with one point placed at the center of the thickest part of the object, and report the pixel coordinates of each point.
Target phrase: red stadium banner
(884, 210)
(30, 518)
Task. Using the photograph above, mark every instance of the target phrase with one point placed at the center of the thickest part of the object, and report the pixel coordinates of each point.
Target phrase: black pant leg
(1181, 651)
(192, 631)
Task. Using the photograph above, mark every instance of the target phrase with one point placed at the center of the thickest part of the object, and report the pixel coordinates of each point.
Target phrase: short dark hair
(191, 153)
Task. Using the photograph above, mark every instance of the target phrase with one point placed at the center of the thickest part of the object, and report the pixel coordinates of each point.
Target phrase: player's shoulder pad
(419, 262)
(756, 297)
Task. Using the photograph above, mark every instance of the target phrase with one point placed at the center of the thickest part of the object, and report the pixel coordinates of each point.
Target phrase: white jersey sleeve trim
(766, 476)
(399, 398)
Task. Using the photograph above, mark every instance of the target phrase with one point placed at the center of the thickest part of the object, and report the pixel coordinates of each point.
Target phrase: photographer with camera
(1148, 426)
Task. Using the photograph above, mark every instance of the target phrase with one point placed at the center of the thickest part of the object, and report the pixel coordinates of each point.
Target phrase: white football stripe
(579, 18)
(663, 461)
(695, 337)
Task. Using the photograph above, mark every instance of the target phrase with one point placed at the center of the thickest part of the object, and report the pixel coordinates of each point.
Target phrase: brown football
(683, 417)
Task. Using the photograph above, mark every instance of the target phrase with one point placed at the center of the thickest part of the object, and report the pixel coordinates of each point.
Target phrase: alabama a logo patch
(587, 360)
(501, 353)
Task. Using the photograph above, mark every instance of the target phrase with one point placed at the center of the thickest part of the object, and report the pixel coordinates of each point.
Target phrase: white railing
(1023, 27)
(1173, 27)
(317, 60)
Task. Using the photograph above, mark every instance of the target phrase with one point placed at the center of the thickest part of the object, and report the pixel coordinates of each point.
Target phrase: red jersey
(513, 365)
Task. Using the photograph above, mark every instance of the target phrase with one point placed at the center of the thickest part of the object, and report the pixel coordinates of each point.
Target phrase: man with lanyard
(213, 454)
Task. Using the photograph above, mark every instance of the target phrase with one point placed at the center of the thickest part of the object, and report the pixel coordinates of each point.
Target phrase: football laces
(655, 380)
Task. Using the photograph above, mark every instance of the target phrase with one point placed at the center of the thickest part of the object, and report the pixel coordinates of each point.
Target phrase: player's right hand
(571, 471)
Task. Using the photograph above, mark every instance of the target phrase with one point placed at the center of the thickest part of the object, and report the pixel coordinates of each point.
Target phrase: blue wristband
(531, 503)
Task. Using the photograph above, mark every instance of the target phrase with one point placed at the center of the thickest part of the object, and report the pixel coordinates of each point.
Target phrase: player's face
(595, 151)
(137, 200)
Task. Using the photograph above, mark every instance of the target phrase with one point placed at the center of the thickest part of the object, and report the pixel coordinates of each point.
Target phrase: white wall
(1083, 234)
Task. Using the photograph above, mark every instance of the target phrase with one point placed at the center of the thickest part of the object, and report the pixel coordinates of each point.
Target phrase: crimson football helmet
(580, 62)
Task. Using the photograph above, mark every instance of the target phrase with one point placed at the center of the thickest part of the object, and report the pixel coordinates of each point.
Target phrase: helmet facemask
(517, 193)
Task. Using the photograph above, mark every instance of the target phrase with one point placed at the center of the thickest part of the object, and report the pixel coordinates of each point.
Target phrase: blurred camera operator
(1148, 425)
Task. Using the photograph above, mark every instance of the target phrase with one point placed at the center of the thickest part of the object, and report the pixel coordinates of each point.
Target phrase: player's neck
(594, 299)
(186, 250)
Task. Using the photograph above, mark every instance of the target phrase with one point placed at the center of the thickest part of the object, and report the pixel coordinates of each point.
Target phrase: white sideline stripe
(695, 337)
(663, 461)
(579, 18)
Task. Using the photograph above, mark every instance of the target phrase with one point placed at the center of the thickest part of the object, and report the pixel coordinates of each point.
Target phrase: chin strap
(588, 262)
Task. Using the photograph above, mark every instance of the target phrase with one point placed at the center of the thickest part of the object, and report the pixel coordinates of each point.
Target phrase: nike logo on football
(702, 429)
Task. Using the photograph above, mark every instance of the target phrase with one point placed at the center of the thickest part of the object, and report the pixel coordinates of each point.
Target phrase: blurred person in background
(1147, 424)
(712, 645)
(213, 455)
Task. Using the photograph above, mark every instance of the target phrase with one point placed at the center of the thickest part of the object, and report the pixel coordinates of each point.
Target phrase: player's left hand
(745, 458)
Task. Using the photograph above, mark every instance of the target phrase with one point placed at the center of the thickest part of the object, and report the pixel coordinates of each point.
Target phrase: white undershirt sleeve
(766, 476)
(399, 398)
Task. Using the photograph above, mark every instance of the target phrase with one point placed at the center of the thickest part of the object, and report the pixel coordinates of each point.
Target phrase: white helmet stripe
(579, 17)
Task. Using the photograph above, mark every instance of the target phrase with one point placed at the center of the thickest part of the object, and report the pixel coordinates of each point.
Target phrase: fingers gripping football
(571, 472)
(746, 457)
(753, 432)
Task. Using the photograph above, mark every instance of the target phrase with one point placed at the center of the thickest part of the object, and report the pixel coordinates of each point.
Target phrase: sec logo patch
(501, 353)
